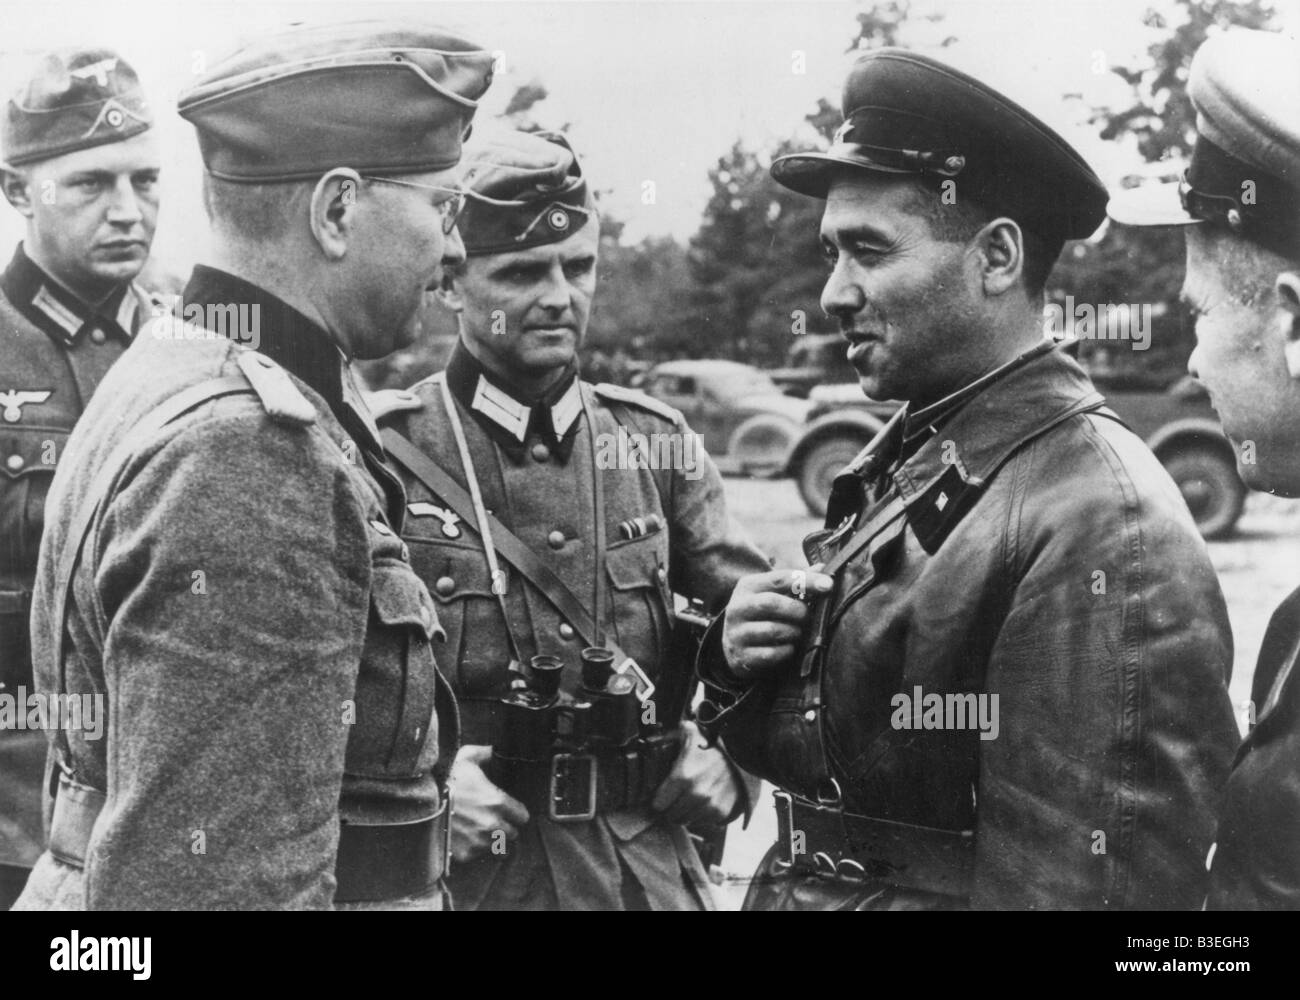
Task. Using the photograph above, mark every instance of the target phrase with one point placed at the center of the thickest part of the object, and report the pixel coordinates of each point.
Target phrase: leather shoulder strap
(512, 549)
(510, 546)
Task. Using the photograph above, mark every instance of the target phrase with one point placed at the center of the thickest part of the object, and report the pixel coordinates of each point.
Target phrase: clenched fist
(766, 617)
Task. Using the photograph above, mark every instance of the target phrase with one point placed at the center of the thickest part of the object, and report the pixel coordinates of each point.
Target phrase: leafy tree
(1145, 266)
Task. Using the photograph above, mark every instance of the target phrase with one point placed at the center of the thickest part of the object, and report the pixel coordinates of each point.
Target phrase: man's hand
(479, 808)
(766, 616)
(702, 786)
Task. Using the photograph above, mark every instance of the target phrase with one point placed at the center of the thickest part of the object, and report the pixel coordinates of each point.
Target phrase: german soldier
(1009, 687)
(276, 728)
(554, 561)
(1240, 201)
(81, 165)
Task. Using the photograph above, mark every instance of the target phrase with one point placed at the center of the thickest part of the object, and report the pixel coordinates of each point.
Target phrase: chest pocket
(476, 651)
(395, 733)
(640, 599)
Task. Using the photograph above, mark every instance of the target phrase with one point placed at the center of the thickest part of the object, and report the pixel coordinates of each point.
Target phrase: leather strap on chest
(510, 547)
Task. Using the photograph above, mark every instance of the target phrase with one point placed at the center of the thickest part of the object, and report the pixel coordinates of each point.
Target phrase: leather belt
(575, 787)
(374, 863)
(821, 839)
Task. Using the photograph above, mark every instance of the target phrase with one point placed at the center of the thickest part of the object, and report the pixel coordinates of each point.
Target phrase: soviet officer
(1009, 690)
(554, 562)
(277, 728)
(1240, 199)
(81, 165)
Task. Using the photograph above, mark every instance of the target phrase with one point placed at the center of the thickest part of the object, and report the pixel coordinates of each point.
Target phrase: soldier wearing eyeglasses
(547, 557)
(224, 563)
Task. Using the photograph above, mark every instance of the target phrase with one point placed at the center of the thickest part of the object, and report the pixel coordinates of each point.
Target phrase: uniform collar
(61, 314)
(295, 343)
(990, 423)
(962, 439)
(509, 416)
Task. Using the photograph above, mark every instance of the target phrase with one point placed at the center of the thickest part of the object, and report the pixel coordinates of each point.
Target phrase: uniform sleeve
(1115, 729)
(233, 575)
(710, 550)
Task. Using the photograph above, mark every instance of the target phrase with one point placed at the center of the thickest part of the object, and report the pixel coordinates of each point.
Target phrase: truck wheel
(1210, 486)
(820, 466)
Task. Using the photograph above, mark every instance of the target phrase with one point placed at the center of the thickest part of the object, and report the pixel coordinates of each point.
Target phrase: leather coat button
(810, 715)
(540, 452)
(555, 539)
(566, 630)
(445, 586)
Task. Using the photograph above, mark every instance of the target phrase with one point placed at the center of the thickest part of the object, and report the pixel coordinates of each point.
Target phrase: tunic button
(97, 335)
(445, 586)
(541, 452)
(555, 539)
(566, 630)
(14, 462)
(810, 715)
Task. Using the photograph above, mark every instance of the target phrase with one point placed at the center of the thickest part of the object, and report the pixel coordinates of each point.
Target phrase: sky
(650, 90)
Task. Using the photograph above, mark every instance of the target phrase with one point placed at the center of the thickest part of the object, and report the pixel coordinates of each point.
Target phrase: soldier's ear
(1288, 308)
(1001, 247)
(448, 295)
(333, 211)
(18, 191)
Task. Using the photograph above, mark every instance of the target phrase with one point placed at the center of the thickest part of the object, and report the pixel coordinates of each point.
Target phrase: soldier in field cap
(588, 552)
(224, 564)
(1240, 203)
(1007, 688)
(79, 161)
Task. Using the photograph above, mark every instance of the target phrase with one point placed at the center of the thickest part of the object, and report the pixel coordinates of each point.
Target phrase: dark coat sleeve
(1116, 730)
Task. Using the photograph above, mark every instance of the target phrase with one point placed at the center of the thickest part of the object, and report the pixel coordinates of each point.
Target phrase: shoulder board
(632, 397)
(385, 402)
(282, 400)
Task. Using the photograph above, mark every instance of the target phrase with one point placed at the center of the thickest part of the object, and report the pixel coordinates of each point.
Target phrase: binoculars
(541, 720)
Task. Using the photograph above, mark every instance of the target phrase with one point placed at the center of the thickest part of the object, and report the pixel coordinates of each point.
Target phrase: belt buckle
(784, 828)
(562, 765)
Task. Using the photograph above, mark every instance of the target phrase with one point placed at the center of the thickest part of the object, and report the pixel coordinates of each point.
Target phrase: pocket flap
(399, 598)
(30, 450)
(634, 564)
(455, 572)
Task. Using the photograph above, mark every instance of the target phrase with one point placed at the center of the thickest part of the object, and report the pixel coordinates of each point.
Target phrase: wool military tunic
(54, 352)
(1029, 550)
(245, 608)
(534, 463)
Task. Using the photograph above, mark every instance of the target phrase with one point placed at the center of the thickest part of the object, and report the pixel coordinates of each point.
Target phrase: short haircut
(958, 221)
(252, 211)
(1247, 270)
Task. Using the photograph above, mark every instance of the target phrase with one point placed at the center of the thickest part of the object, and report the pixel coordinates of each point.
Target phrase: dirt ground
(1257, 567)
